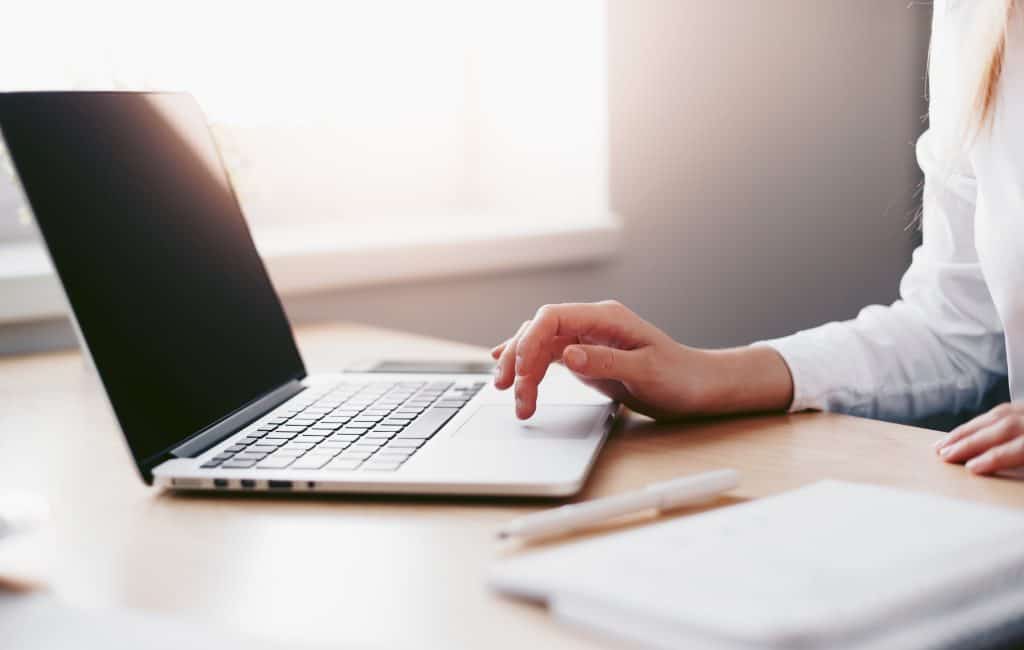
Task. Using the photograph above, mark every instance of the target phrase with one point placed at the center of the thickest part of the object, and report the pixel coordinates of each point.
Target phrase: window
(356, 123)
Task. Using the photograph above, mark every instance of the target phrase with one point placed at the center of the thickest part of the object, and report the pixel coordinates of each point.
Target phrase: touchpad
(550, 421)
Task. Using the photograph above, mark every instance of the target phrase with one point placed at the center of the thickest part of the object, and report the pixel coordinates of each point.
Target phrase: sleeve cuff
(806, 369)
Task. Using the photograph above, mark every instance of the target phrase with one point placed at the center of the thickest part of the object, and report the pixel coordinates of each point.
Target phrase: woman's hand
(989, 443)
(612, 349)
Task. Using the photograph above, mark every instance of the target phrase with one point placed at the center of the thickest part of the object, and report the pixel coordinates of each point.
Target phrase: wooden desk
(375, 571)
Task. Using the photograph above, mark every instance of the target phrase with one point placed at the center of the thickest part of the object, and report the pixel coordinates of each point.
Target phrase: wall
(761, 159)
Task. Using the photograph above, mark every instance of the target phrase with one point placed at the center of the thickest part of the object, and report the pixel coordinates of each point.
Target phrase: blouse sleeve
(936, 350)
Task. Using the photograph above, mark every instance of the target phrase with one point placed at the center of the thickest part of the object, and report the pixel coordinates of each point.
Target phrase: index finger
(575, 320)
(973, 425)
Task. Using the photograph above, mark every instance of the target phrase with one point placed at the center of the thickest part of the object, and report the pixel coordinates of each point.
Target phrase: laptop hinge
(221, 429)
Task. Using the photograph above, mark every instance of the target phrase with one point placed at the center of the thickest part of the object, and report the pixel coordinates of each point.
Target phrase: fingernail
(941, 442)
(520, 369)
(576, 357)
(497, 370)
(976, 464)
(519, 406)
(945, 451)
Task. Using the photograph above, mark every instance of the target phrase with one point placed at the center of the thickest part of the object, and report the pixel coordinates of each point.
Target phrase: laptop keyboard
(373, 426)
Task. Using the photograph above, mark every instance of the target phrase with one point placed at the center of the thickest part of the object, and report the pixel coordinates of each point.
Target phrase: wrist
(745, 379)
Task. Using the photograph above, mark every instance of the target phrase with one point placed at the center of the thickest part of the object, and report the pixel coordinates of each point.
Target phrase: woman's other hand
(989, 443)
(609, 347)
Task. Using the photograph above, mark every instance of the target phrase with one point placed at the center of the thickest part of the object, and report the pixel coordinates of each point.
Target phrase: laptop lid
(149, 241)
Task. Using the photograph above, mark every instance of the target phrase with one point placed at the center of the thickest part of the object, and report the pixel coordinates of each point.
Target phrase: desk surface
(378, 572)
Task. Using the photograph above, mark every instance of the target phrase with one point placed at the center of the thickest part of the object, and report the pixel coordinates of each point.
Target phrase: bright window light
(416, 115)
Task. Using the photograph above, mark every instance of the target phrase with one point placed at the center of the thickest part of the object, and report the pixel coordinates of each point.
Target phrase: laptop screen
(155, 257)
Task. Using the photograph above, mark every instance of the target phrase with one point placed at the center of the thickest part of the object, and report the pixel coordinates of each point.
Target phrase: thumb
(602, 362)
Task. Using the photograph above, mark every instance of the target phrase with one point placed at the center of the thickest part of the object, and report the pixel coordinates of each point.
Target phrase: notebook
(833, 564)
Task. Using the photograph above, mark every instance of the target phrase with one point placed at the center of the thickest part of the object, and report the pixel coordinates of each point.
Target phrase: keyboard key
(235, 463)
(234, 449)
(353, 455)
(304, 446)
(323, 451)
(252, 455)
(378, 435)
(382, 466)
(264, 448)
(368, 444)
(394, 454)
(343, 464)
(310, 438)
(336, 445)
(210, 464)
(357, 453)
(354, 430)
(290, 428)
(429, 423)
(344, 437)
(276, 461)
(291, 453)
(280, 435)
(405, 444)
(272, 442)
(312, 462)
(457, 403)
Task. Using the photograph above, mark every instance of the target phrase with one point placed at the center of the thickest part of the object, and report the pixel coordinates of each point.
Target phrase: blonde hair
(992, 63)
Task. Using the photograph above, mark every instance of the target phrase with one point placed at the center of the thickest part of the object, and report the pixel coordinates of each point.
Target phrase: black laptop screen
(155, 256)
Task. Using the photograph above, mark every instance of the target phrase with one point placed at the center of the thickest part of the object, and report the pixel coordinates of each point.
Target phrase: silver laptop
(174, 305)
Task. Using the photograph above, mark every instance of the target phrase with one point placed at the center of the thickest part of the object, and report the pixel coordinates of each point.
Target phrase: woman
(957, 330)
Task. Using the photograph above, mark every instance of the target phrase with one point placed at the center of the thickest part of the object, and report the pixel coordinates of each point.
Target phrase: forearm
(746, 380)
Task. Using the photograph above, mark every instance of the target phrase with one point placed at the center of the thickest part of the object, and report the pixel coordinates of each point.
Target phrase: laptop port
(220, 482)
(247, 483)
(279, 485)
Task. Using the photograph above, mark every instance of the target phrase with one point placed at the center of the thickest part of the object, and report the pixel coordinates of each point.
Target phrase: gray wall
(762, 161)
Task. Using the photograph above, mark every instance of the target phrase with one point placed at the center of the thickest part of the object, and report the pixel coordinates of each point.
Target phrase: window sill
(335, 256)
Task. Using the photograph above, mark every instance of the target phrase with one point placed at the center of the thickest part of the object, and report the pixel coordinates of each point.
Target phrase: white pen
(687, 491)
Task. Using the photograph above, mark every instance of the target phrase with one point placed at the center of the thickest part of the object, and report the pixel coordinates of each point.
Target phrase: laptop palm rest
(551, 421)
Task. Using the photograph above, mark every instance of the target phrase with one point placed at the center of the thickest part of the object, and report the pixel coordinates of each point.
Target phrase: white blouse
(959, 325)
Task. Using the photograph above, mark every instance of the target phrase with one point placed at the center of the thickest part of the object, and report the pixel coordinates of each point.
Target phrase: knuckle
(607, 360)
(615, 306)
(545, 315)
(1005, 425)
(1003, 409)
(1001, 425)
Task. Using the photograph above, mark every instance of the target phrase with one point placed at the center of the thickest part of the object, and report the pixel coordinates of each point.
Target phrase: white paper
(829, 563)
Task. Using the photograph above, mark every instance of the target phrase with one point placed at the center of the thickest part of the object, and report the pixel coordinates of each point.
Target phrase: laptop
(174, 306)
